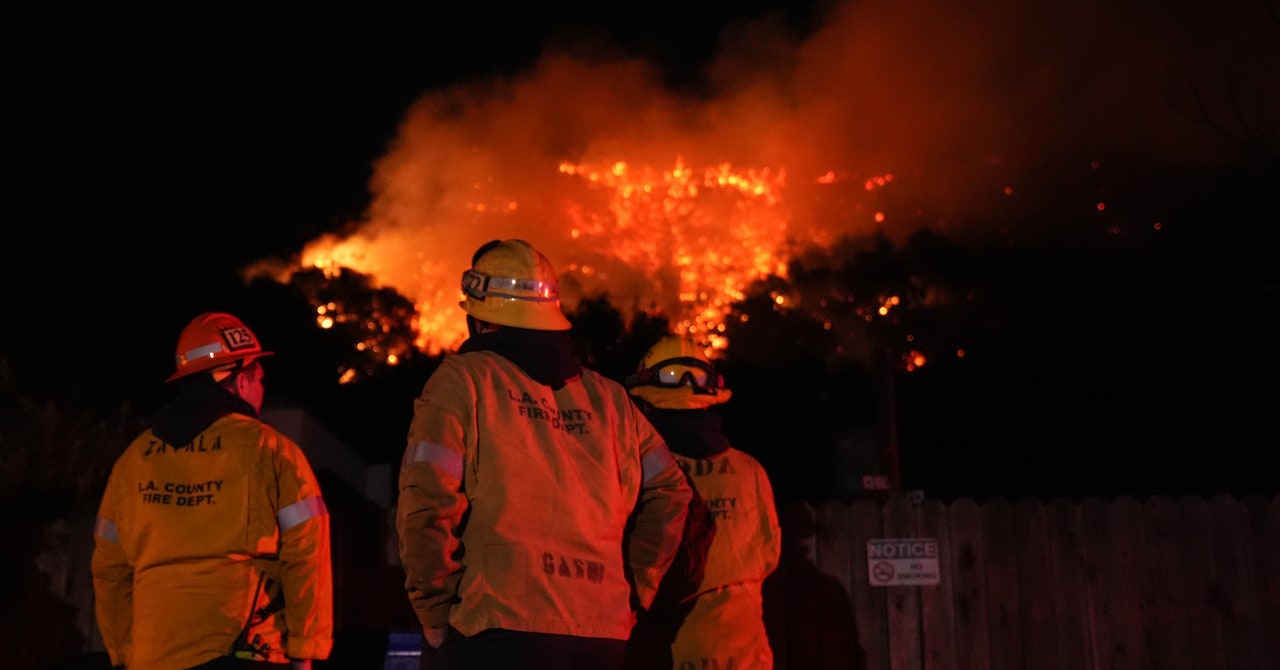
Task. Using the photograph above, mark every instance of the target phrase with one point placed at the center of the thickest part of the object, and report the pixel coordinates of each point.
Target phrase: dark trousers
(500, 649)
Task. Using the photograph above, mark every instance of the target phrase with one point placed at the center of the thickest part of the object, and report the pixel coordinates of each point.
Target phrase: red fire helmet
(214, 340)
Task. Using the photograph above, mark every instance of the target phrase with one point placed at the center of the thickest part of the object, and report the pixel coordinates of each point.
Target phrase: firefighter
(521, 473)
(212, 540)
(709, 612)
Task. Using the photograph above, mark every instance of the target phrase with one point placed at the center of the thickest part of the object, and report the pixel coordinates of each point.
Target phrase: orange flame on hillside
(699, 235)
(678, 241)
(788, 142)
(663, 203)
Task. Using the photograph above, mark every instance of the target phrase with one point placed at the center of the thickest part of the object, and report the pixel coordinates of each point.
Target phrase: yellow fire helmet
(214, 340)
(675, 373)
(512, 284)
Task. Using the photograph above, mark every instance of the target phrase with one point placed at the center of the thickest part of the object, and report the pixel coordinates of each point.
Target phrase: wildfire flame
(664, 203)
(678, 241)
(699, 235)
(675, 203)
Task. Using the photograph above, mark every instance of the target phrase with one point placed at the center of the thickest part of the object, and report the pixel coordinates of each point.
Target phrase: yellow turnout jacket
(200, 544)
(515, 499)
(725, 628)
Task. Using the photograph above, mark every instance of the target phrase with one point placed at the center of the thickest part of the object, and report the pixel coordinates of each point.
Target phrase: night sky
(152, 155)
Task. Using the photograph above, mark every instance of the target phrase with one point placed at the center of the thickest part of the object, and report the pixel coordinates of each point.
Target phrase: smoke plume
(888, 116)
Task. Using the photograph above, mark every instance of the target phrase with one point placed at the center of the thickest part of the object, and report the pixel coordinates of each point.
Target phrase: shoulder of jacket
(136, 447)
(267, 433)
(244, 421)
(743, 456)
(470, 360)
(469, 365)
(590, 376)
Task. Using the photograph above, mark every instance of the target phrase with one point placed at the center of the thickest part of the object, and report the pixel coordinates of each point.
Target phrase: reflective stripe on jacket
(546, 481)
(193, 539)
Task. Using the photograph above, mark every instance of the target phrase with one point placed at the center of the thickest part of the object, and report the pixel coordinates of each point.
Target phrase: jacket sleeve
(431, 503)
(112, 581)
(659, 516)
(306, 570)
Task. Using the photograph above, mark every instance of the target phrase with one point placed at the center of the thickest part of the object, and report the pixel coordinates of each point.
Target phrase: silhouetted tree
(609, 345)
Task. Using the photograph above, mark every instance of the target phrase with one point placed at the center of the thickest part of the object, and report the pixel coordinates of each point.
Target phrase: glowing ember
(913, 360)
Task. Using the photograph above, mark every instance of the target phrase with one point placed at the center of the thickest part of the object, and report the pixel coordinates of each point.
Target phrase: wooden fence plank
(1163, 587)
(1114, 536)
(837, 544)
(968, 569)
(1128, 539)
(1035, 586)
(1264, 524)
(936, 611)
(1208, 650)
(870, 603)
(1071, 606)
(904, 601)
(1100, 572)
(999, 529)
(1239, 586)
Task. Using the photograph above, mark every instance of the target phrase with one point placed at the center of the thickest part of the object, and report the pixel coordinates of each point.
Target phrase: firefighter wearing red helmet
(709, 610)
(522, 475)
(217, 343)
(212, 540)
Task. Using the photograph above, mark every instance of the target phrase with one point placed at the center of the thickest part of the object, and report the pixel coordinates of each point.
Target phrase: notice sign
(907, 561)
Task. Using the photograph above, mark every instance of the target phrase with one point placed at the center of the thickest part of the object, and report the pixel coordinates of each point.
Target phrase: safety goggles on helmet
(480, 286)
(697, 374)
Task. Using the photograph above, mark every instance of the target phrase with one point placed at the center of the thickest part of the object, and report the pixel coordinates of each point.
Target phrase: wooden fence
(1123, 584)
(1159, 584)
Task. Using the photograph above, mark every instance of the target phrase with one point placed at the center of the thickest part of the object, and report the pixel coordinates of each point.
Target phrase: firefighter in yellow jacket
(521, 474)
(709, 613)
(212, 541)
